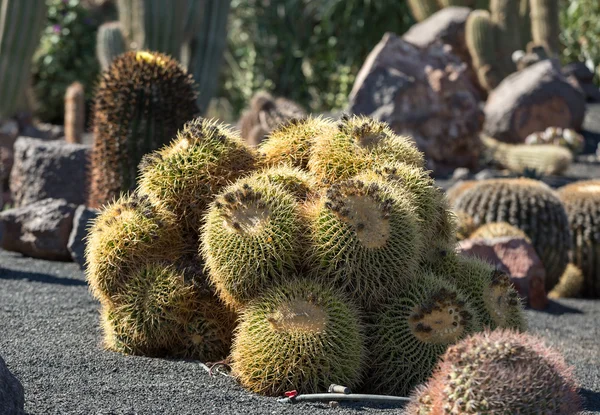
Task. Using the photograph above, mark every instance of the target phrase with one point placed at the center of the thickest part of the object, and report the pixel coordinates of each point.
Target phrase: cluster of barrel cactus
(329, 241)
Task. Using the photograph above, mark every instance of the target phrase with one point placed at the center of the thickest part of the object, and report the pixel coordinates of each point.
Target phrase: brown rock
(49, 169)
(39, 230)
(424, 93)
(531, 100)
(518, 258)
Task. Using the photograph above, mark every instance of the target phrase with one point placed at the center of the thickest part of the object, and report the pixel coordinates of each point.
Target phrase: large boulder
(424, 93)
(531, 100)
(12, 396)
(39, 230)
(517, 257)
(49, 169)
(82, 221)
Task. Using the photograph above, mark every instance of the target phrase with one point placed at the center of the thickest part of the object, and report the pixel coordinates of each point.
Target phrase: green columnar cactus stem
(455, 3)
(481, 35)
(141, 102)
(525, 24)
(74, 113)
(422, 9)
(109, 43)
(21, 24)
(206, 49)
(505, 15)
(154, 25)
(545, 26)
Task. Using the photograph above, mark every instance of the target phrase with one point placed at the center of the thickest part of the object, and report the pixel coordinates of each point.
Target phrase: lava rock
(424, 93)
(82, 220)
(49, 169)
(39, 230)
(531, 100)
(12, 395)
(518, 258)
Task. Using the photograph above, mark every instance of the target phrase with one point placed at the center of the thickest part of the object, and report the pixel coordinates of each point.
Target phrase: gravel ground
(50, 339)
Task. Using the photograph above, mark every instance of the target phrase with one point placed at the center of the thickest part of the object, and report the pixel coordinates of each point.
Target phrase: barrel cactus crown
(529, 205)
(253, 237)
(413, 329)
(364, 238)
(498, 230)
(303, 336)
(582, 203)
(499, 372)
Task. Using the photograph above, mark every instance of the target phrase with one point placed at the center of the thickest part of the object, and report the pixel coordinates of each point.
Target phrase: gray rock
(531, 100)
(49, 169)
(12, 396)
(82, 220)
(39, 230)
(424, 93)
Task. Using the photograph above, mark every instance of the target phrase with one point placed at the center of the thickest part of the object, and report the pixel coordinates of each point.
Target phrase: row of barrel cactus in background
(21, 24)
(190, 31)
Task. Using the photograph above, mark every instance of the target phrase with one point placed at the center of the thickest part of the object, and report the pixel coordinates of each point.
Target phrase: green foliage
(304, 50)
(580, 34)
(66, 54)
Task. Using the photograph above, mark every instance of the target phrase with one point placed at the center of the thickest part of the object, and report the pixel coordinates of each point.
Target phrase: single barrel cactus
(531, 206)
(498, 230)
(582, 204)
(412, 330)
(570, 284)
(21, 24)
(299, 183)
(499, 372)
(184, 176)
(252, 239)
(141, 102)
(303, 336)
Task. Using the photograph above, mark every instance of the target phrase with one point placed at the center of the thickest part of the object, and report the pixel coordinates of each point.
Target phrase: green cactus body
(301, 335)
(545, 25)
(411, 331)
(481, 37)
(155, 25)
(21, 24)
(482, 4)
(109, 43)
(505, 15)
(422, 9)
(252, 239)
(456, 3)
(74, 113)
(365, 238)
(525, 23)
(570, 284)
(531, 206)
(141, 102)
(499, 372)
(206, 48)
(545, 159)
(582, 203)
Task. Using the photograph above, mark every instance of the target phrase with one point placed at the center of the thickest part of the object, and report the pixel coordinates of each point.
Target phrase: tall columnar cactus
(480, 32)
(422, 9)
(74, 113)
(545, 26)
(141, 102)
(153, 24)
(21, 24)
(505, 14)
(110, 43)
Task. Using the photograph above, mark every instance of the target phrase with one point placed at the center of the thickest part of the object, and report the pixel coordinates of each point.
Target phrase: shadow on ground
(11, 274)
(591, 399)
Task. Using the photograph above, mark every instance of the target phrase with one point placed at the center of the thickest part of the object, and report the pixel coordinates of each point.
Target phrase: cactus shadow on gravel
(591, 399)
(11, 274)
(558, 309)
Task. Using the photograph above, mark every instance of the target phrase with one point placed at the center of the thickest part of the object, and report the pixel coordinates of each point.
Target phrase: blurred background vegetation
(306, 50)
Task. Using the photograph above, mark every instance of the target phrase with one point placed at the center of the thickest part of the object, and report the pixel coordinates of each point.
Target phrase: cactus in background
(109, 43)
(154, 25)
(481, 37)
(522, 202)
(74, 113)
(525, 23)
(422, 9)
(505, 14)
(545, 159)
(499, 372)
(498, 230)
(545, 25)
(21, 24)
(582, 204)
(570, 284)
(302, 335)
(141, 102)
